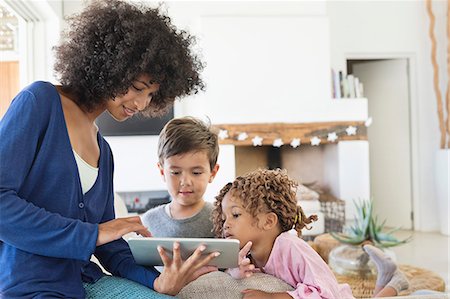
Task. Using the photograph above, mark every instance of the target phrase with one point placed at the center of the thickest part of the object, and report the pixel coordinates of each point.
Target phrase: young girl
(259, 209)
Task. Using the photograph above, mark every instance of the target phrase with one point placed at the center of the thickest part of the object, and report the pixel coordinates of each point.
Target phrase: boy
(187, 151)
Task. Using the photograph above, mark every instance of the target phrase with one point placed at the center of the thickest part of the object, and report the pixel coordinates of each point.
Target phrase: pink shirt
(295, 262)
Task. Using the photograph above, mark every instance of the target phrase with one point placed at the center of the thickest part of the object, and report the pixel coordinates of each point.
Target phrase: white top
(88, 174)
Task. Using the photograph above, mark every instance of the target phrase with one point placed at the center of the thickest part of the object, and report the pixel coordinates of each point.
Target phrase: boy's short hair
(186, 134)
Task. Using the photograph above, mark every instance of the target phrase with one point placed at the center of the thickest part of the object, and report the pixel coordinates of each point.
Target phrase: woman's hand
(115, 229)
(245, 266)
(178, 273)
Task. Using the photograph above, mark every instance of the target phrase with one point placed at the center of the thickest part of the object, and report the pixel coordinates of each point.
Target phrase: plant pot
(442, 179)
(351, 260)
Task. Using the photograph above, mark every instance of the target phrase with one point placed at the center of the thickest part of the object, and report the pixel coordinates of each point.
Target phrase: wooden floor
(426, 250)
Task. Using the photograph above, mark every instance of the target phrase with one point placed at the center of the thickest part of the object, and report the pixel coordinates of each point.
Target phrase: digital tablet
(145, 251)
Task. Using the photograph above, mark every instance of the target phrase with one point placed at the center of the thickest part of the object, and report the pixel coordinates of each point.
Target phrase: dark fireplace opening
(306, 164)
(274, 158)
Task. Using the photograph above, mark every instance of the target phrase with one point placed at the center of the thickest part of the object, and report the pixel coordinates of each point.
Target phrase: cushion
(111, 287)
(220, 285)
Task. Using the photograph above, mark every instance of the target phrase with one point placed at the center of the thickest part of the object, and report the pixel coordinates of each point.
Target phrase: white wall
(265, 62)
(135, 165)
(395, 29)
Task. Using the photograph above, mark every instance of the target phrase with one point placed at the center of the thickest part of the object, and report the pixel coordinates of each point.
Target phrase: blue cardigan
(48, 228)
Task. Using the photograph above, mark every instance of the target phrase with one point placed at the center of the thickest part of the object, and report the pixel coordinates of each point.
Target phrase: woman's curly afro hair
(264, 191)
(112, 42)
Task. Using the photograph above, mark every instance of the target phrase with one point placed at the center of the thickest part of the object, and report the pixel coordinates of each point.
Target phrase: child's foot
(399, 282)
(386, 267)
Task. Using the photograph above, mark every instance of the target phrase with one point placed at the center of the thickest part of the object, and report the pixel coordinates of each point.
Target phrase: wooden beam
(288, 131)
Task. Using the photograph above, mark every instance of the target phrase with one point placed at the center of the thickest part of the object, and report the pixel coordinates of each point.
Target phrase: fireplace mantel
(269, 132)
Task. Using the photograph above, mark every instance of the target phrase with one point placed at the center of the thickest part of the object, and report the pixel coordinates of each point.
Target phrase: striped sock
(399, 282)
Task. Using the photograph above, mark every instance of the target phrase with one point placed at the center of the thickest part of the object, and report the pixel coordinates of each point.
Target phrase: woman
(56, 170)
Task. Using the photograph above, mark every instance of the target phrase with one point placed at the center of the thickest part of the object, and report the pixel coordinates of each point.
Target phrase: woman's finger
(195, 257)
(144, 232)
(201, 260)
(198, 252)
(133, 219)
(128, 227)
(165, 259)
(177, 253)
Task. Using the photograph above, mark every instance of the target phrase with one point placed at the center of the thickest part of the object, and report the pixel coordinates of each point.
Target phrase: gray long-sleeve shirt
(162, 225)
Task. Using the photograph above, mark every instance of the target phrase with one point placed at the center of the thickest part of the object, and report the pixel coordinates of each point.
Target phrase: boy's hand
(116, 228)
(178, 273)
(245, 266)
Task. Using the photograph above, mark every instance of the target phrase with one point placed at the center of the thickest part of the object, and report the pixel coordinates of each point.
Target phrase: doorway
(386, 86)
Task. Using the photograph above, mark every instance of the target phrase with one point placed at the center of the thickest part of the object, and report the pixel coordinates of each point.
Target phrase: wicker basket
(333, 210)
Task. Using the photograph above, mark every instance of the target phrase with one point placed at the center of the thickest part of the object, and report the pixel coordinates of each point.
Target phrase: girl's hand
(245, 266)
(249, 294)
(116, 228)
(178, 273)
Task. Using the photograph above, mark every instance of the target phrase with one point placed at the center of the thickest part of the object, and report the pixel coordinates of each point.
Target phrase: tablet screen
(145, 251)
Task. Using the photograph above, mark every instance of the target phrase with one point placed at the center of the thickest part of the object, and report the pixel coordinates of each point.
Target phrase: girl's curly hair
(263, 191)
(112, 42)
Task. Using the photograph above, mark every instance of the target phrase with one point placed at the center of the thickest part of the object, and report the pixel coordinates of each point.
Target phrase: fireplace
(340, 165)
(306, 164)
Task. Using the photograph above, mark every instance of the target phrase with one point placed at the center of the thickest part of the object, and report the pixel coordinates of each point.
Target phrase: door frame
(413, 122)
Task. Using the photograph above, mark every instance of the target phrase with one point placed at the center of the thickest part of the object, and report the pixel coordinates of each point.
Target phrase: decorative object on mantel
(223, 134)
(368, 122)
(332, 137)
(278, 142)
(242, 136)
(315, 141)
(351, 130)
(268, 133)
(257, 141)
(442, 157)
(295, 142)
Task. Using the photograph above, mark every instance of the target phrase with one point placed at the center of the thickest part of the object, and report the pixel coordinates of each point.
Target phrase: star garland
(315, 140)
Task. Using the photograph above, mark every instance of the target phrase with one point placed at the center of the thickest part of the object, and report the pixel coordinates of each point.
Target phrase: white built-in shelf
(346, 109)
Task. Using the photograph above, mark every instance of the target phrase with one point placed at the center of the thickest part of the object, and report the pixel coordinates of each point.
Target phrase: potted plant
(350, 258)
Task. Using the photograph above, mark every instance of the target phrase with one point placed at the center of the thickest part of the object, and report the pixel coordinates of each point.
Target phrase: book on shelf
(361, 90)
(345, 86)
(357, 91)
(351, 86)
(336, 85)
